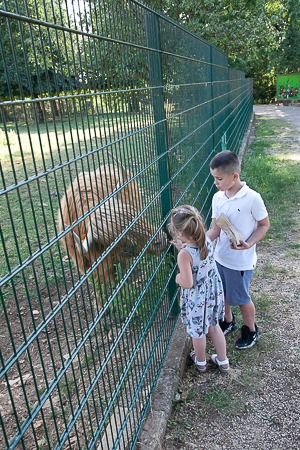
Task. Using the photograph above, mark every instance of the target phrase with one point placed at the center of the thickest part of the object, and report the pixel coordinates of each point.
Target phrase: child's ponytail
(200, 236)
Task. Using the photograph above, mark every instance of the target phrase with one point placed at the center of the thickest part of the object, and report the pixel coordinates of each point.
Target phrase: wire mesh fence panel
(109, 116)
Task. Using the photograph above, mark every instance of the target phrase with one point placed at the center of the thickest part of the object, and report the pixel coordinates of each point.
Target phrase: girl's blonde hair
(187, 220)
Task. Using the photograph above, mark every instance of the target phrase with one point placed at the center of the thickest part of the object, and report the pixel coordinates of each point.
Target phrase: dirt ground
(292, 115)
(257, 406)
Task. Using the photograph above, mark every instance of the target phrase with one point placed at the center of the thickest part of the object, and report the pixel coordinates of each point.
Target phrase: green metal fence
(109, 116)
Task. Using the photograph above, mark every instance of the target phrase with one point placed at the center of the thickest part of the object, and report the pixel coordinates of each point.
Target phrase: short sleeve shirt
(243, 210)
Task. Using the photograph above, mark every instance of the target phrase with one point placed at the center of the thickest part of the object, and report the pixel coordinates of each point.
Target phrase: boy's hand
(242, 246)
(178, 244)
(257, 235)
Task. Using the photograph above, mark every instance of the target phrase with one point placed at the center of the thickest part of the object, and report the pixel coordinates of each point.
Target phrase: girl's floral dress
(202, 306)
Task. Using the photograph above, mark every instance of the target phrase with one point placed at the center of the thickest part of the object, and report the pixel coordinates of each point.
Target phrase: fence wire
(109, 115)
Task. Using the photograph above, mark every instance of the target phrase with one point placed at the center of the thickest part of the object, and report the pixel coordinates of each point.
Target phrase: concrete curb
(154, 428)
(246, 140)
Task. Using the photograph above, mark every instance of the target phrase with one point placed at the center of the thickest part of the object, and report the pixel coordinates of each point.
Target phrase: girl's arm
(185, 277)
(214, 230)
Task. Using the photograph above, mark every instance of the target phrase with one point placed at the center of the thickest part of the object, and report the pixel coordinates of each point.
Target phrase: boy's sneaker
(248, 338)
(227, 327)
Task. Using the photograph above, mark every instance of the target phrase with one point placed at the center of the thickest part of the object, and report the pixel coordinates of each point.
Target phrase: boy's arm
(257, 235)
(185, 277)
(214, 231)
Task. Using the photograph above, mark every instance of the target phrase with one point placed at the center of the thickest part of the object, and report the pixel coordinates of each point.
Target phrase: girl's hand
(178, 244)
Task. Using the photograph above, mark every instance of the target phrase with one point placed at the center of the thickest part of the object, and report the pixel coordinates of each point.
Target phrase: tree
(260, 37)
(290, 59)
(109, 65)
(36, 60)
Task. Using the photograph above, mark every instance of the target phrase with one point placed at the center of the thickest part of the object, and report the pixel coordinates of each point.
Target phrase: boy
(246, 211)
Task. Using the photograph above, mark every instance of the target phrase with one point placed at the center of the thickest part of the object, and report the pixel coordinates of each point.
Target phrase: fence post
(161, 133)
(157, 99)
(212, 108)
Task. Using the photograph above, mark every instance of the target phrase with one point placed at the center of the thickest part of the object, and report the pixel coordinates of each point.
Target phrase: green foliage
(291, 43)
(260, 37)
(35, 61)
(40, 61)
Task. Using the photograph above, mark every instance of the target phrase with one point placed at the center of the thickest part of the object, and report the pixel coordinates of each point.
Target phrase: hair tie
(180, 211)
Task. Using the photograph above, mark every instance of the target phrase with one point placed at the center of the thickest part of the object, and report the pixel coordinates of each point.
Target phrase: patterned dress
(202, 306)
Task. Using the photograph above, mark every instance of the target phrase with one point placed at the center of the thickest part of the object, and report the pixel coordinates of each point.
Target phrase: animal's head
(160, 242)
(159, 239)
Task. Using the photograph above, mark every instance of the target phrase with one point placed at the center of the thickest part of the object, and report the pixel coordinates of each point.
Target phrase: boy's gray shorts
(236, 285)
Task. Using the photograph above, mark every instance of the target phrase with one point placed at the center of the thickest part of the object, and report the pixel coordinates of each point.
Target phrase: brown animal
(112, 228)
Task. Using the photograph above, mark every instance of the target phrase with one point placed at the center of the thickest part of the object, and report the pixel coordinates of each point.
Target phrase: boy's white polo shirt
(243, 210)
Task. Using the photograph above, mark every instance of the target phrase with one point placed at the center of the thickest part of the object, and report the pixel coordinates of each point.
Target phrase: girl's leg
(218, 339)
(200, 347)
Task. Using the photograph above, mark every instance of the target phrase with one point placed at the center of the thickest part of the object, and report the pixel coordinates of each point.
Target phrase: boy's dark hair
(227, 161)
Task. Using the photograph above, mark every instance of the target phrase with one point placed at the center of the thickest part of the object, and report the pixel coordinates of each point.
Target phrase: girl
(202, 299)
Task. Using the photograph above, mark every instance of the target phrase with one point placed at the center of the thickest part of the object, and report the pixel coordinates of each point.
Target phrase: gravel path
(258, 405)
